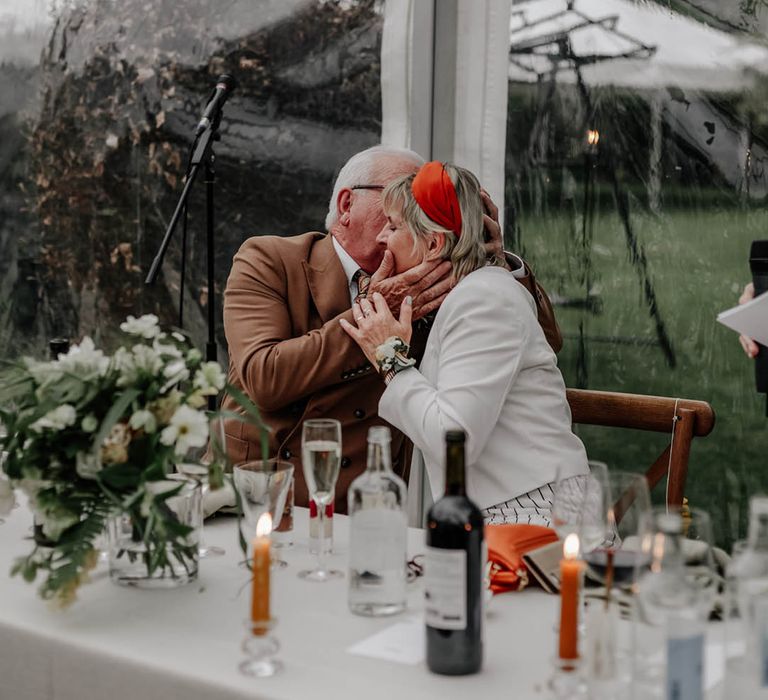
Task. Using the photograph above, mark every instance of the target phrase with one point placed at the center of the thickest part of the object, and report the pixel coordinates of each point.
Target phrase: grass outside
(697, 265)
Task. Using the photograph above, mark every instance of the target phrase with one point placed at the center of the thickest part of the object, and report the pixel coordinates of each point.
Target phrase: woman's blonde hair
(467, 251)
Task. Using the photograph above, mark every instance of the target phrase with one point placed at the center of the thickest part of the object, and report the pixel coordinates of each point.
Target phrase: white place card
(751, 318)
(404, 643)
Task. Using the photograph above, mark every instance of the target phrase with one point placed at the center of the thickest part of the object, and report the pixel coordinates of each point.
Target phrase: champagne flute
(321, 457)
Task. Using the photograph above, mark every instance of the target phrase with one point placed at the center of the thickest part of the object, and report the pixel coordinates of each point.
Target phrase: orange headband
(435, 194)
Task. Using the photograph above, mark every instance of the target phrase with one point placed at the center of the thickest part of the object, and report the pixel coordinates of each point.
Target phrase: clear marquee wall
(641, 238)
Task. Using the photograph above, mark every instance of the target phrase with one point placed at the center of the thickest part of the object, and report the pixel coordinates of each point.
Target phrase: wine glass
(624, 507)
(263, 487)
(577, 506)
(321, 457)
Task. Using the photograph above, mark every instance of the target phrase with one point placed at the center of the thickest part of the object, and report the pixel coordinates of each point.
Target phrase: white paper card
(403, 643)
(750, 319)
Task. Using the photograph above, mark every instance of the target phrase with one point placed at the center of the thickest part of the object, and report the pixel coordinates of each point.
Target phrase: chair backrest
(682, 419)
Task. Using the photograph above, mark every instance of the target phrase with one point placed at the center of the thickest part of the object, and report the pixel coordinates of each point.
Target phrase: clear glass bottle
(378, 533)
(747, 643)
(671, 604)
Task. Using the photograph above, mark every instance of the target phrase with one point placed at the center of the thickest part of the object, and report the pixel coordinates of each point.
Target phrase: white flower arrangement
(90, 436)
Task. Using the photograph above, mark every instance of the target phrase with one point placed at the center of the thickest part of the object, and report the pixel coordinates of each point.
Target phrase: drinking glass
(282, 534)
(263, 487)
(196, 467)
(320, 457)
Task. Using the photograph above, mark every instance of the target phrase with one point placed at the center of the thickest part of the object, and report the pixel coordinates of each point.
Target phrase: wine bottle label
(685, 668)
(445, 588)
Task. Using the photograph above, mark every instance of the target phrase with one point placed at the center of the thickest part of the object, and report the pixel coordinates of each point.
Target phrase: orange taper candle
(261, 564)
(570, 582)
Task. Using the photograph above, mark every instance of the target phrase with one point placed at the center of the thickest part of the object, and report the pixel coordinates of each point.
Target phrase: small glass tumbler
(260, 647)
(282, 535)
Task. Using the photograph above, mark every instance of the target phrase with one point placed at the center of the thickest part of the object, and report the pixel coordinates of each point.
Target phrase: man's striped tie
(363, 280)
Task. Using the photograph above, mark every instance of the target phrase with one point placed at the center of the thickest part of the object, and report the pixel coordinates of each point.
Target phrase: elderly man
(282, 306)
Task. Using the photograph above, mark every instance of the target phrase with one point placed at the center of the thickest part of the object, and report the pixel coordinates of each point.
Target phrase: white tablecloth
(119, 643)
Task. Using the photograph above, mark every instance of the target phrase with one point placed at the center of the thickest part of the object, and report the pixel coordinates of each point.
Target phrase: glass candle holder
(567, 680)
(260, 646)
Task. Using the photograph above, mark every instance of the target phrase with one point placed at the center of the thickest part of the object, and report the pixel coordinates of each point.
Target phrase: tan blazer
(288, 352)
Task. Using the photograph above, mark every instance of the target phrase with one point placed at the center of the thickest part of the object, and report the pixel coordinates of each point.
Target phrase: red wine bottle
(453, 572)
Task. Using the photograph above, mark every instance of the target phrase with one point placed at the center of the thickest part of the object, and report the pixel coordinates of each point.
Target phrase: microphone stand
(202, 154)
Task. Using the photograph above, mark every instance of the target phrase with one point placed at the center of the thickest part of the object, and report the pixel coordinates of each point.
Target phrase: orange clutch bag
(506, 546)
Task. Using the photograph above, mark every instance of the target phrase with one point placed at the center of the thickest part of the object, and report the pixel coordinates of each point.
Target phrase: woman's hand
(375, 323)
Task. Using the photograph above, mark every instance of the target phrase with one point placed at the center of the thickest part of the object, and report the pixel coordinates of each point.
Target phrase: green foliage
(91, 436)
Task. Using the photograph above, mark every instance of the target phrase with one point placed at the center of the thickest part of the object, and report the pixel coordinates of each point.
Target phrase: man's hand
(494, 247)
(428, 284)
(749, 345)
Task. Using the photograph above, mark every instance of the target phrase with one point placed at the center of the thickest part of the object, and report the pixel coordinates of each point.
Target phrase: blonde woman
(487, 367)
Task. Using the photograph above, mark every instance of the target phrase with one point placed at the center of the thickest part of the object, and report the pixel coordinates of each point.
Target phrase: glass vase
(157, 564)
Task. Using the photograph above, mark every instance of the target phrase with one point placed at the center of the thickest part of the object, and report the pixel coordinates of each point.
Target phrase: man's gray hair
(360, 169)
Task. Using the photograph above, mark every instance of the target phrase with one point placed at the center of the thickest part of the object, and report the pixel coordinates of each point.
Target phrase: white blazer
(487, 370)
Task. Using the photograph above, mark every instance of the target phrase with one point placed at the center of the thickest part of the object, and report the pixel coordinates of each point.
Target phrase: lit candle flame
(264, 525)
(593, 137)
(571, 546)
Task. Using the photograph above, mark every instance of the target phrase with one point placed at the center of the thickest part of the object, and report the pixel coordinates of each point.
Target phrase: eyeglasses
(367, 187)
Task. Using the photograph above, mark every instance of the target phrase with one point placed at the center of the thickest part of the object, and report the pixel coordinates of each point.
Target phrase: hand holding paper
(749, 319)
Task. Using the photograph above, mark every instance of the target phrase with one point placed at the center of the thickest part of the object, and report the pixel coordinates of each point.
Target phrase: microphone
(758, 264)
(225, 84)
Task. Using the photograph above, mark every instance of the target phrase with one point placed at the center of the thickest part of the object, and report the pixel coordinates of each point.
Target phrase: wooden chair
(659, 414)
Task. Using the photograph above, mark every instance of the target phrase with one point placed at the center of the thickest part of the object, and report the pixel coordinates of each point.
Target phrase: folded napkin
(506, 545)
(215, 500)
